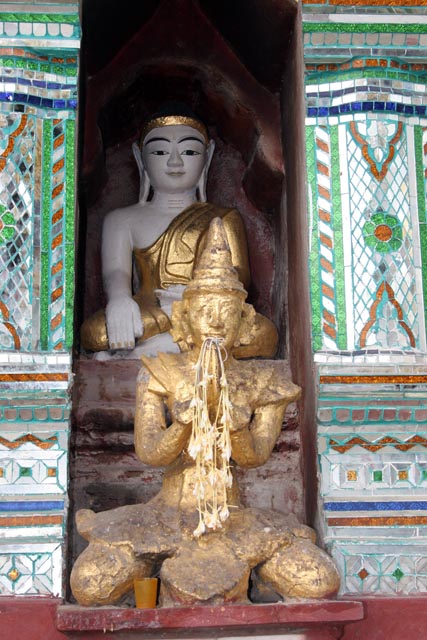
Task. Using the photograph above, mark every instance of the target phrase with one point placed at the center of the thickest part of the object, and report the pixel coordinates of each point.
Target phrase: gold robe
(170, 260)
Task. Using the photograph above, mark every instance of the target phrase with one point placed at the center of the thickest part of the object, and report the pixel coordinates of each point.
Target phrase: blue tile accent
(32, 505)
(375, 506)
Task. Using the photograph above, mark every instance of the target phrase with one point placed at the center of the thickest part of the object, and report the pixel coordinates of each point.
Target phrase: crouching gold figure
(201, 413)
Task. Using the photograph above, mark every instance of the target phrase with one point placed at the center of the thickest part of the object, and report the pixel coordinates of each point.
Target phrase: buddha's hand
(124, 322)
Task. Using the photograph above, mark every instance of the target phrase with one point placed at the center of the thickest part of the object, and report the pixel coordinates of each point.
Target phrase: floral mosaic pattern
(383, 233)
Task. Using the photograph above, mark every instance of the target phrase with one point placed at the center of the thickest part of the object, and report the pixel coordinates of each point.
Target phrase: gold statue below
(195, 534)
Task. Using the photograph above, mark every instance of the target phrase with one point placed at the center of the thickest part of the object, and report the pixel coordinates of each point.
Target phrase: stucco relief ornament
(201, 414)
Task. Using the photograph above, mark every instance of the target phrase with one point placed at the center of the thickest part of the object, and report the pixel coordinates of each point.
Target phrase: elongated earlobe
(144, 180)
(201, 185)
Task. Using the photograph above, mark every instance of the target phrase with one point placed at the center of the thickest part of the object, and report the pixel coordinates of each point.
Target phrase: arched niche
(239, 66)
(222, 63)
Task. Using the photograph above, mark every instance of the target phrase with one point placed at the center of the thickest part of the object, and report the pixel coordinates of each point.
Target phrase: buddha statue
(201, 413)
(163, 236)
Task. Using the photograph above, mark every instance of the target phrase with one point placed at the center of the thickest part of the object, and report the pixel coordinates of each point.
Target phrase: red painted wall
(385, 619)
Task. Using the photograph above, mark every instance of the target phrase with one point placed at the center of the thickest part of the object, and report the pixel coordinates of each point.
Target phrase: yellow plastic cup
(145, 592)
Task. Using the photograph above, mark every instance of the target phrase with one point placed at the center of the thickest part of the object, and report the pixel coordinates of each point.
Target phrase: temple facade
(361, 238)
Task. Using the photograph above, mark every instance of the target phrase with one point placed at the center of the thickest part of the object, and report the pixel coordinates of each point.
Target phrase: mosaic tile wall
(38, 89)
(366, 131)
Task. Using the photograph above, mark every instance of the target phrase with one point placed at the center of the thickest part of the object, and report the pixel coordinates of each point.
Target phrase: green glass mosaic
(45, 233)
(377, 27)
(62, 18)
(69, 229)
(422, 213)
(377, 476)
(338, 240)
(69, 70)
(424, 474)
(371, 72)
(398, 574)
(25, 472)
(314, 255)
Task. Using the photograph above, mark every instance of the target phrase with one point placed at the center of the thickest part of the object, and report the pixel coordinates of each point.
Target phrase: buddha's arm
(156, 444)
(236, 236)
(252, 445)
(122, 313)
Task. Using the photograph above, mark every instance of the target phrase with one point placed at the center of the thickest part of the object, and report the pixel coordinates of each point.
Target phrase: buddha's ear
(201, 185)
(144, 180)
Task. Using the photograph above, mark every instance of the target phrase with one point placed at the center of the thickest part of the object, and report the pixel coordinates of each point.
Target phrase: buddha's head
(213, 304)
(174, 153)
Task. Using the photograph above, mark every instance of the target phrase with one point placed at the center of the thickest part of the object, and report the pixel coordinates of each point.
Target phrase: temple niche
(239, 67)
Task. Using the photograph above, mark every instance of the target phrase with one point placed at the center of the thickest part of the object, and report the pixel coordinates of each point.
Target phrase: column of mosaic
(366, 133)
(38, 82)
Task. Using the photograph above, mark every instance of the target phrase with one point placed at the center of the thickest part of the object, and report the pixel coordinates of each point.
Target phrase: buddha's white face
(174, 158)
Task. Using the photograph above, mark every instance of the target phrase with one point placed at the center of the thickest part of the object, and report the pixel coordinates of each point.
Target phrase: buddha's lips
(176, 173)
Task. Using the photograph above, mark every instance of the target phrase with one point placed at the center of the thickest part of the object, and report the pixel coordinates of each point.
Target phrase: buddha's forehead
(174, 133)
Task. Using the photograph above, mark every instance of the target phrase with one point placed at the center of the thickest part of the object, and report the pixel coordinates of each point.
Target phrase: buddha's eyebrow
(157, 140)
(190, 138)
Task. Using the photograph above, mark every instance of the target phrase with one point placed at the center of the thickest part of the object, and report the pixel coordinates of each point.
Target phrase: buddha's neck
(173, 202)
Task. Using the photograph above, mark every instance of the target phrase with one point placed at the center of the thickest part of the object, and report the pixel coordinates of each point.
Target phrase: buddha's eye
(190, 152)
(159, 152)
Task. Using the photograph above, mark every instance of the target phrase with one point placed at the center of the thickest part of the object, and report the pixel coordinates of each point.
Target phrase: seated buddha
(201, 414)
(162, 236)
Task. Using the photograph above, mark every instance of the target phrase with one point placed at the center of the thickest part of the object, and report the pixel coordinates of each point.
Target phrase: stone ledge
(202, 621)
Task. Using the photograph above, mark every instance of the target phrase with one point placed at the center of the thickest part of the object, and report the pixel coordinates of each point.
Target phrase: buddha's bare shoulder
(123, 215)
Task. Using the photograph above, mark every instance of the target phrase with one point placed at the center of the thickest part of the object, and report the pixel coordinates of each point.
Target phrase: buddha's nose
(175, 159)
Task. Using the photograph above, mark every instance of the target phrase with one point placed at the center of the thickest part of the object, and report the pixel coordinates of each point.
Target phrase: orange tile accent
(378, 175)
(57, 121)
(403, 475)
(4, 310)
(352, 475)
(13, 574)
(60, 60)
(1, 473)
(377, 521)
(320, 143)
(42, 444)
(330, 331)
(57, 190)
(383, 289)
(324, 215)
(59, 141)
(324, 192)
(56, 321)
(379, 3)
(58, 165)
(56, 294)
(58, 347)
(373, 379)
(326, 264)
(29, 521)
(323, 169)
(327, 291)
(57, 216)
(33, 377)
(326, 240)
(329, 317)
(11, 142)
(57, 241)
(51, 472)
(57, 267)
